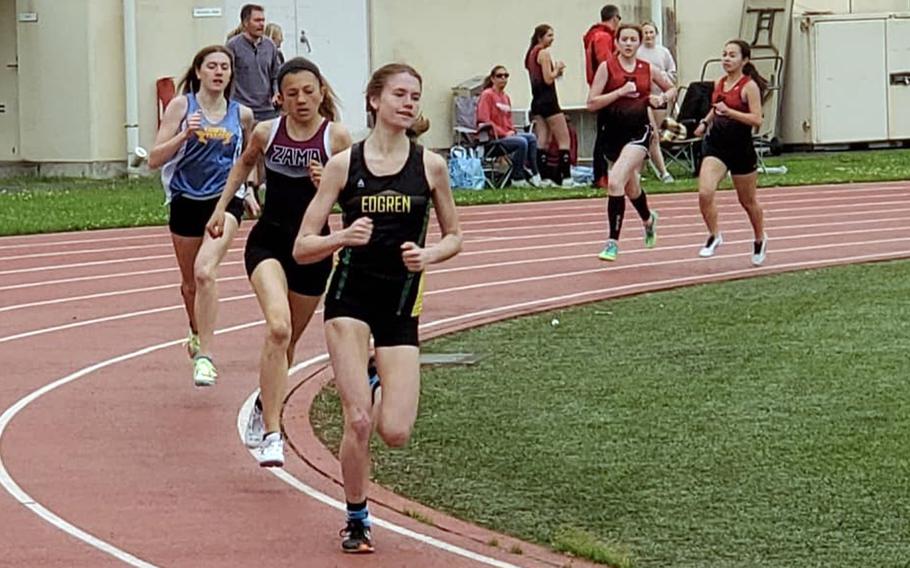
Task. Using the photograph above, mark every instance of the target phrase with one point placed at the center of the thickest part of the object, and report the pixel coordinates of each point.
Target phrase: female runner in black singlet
(384, 186)
(294, 147)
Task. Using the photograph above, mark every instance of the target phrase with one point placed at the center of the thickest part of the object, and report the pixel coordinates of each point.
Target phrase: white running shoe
(520, 184)
(270, 452)
(570, 183)
(667, 178)
(760, 251)
(255, 428)
(204, 372)
(711, 245)
(535, 181)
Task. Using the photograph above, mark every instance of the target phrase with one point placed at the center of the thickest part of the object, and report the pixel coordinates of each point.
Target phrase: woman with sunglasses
(494, 109)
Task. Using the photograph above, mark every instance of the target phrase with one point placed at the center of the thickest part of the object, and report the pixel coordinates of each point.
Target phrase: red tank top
(734, 97)
(619, 76)
(535, 71)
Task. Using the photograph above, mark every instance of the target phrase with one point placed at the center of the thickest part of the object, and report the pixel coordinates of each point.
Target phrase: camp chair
(498, 166)
(695, 103)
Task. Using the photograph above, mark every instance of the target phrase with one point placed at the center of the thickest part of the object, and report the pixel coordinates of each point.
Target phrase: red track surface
(129, 452)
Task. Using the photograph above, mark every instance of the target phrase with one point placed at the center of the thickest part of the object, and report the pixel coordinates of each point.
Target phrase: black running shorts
(390, 306)
(740, 158)
(189, 216)
(271, 241)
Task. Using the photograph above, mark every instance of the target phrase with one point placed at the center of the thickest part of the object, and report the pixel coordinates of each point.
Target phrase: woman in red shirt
(494, 109)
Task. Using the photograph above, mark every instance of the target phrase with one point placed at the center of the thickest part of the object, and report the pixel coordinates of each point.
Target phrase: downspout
(135, 154)
(657, 16)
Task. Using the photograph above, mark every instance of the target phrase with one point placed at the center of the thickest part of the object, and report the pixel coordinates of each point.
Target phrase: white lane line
(767, 194)
(86, 264)
(617, 267)
(161, 233)
(26, 500)
(689, 210)
(770, 220)
(588, 255)
(173, 269)
(242, 417)
(504, 263)
(13, 488)
(81, 251)
(105, 319)
(172, 285)
(283, 475)
(73, 325)
(771, 215)
(744, 227)
(725, 199)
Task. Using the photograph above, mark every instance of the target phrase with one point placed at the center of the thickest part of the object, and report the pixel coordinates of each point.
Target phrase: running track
(108, 455)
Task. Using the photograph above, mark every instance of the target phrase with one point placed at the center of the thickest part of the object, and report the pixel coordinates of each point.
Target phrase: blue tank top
(199, 170)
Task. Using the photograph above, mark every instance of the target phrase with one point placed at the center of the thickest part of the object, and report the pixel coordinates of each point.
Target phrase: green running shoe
(651, 231)
(204, 372)
(610, 251)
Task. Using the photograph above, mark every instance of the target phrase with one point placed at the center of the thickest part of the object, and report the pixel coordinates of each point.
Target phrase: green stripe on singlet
(409, 283)
(344, 264)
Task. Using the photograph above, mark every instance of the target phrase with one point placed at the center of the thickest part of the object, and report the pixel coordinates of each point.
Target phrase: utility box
(848, 80)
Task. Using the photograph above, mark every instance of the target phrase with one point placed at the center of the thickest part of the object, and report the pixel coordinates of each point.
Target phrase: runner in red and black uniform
(621, 93)
(728, 146)
(385, 186)
(295, 147)
(548, 118)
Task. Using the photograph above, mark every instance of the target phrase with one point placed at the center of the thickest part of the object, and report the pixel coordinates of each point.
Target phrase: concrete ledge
(95, 170)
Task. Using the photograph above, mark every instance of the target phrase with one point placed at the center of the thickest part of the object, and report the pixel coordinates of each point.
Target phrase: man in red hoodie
(599, 46)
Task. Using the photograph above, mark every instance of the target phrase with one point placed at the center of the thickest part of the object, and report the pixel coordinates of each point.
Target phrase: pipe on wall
(135, 154)
(657, 16)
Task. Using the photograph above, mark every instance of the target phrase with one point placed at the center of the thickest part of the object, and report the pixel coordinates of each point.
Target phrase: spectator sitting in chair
(494, 110)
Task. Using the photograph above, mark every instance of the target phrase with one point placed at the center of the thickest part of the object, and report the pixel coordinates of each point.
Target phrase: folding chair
(696, 102)
(495, 158)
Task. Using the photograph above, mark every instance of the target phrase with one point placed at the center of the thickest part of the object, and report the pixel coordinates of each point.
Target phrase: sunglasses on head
(501, 75)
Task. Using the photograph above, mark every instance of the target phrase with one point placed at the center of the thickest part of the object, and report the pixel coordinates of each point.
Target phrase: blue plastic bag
(465, 169)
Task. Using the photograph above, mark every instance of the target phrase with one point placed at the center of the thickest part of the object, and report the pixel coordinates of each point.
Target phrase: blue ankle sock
(359, 512)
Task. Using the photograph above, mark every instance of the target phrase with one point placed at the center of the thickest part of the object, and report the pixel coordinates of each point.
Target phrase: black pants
(600, 158)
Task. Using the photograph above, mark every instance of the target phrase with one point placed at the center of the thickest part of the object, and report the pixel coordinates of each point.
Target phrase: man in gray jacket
(256, 64)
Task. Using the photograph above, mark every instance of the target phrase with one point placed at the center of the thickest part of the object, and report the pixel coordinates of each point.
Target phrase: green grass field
(30, 205)
(760, 422)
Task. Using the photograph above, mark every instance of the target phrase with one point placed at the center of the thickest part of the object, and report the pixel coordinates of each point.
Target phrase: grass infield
(760, 422)
(36, 205)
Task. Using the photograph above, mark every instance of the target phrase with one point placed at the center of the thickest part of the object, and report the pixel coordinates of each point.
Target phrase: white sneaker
(569, 183)
(711, 245)
(667, 178)
(760, 251)
(255, 429)
(535, 181)
(270, 452)
(547, 183)
(520, 184)
(204, 372)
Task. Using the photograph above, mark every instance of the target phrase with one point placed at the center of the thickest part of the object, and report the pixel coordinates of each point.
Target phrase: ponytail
(749, 68)
(539, 32)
